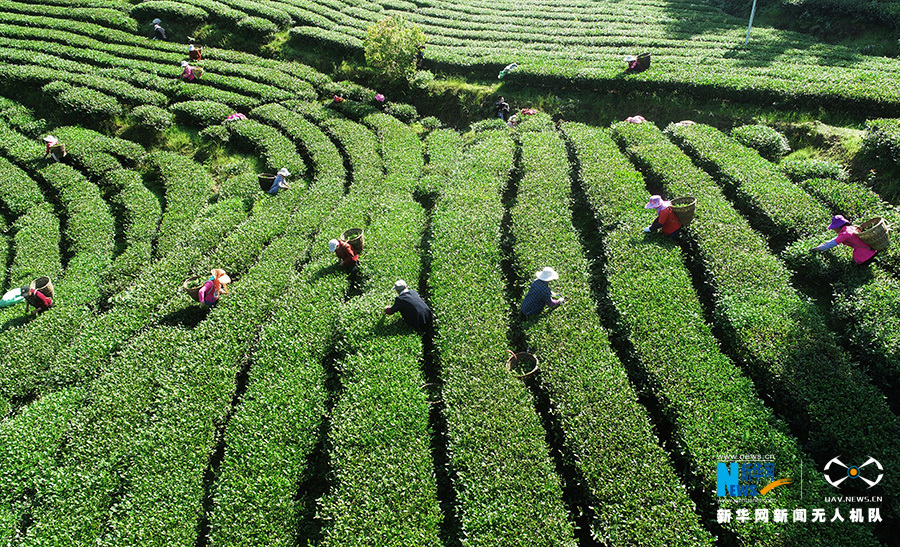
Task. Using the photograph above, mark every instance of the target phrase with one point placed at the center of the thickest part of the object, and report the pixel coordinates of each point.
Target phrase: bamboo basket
(354, 236)
(191, 288)
(522, 361)
(684, 208)
(265, 181)
(44, 286)
(874, 233)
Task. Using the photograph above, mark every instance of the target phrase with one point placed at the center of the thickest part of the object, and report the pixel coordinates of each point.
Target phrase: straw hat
(400, 286)
(547, 274)
(219, 275)
(332, 245)
(284, 172)
(837, 221)
(657, 202)
(51, 139)
(184, 63)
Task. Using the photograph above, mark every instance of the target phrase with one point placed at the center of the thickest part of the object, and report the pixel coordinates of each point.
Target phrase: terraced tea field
(295, 412)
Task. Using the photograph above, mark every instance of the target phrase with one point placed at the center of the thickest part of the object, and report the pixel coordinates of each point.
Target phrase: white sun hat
(547, 274)
(284, 172)
(332, 245)
(400, 285)
(184, 63)
(51, 139)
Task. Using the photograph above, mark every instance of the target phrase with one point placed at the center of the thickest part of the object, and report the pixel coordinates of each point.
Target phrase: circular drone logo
(850, 472)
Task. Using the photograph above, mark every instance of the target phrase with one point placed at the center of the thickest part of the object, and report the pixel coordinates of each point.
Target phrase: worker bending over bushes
(412, 308)
(665, 218)
(848, 235)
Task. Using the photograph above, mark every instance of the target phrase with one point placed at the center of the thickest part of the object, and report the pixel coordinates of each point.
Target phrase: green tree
(391, 47)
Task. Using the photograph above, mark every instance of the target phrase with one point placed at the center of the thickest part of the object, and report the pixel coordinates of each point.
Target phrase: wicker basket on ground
(684, 208)
(354, 236)
(522, 364)
(874, 232)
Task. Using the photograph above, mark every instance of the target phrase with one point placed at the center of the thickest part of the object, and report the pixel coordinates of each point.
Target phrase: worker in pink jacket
(848, 234)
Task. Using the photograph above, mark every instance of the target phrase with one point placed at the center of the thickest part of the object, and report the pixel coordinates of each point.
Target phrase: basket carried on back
(266, 180)
(874, 233)
(644, 60)
(684, 208)
(191, 287)
(522, 364)
(354, 236)
(58, 150)
(44, 286)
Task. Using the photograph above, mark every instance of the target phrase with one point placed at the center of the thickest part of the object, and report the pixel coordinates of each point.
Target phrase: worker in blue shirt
(539, 294)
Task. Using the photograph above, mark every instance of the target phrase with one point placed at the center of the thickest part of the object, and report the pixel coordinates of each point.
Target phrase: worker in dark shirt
(539, 293)
(412, 308)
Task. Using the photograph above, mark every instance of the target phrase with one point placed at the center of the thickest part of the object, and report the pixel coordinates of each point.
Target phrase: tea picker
(637, 64)
(849, 235)
(345, 252)
(55, 149)
(39, 294)
(412, 308)
(539, 293)
(159, 33)
(279, 181)
(666, 219)
(210, 290)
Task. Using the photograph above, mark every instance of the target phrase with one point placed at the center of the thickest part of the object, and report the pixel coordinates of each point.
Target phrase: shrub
(406, 113)
(882, 139)
(770, 144)
(153, 117)
(800, 170)
(391, 47)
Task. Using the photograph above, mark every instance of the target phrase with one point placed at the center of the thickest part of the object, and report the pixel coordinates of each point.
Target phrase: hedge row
(755, 176)
(604, 427)
(186, 186)
(472, 344)
(783, 209)
(384, 472)
(137, 210)
(256, 494)
(276, 150)
(165, 494)
(114, 18)
(201, 113)
(778, 335)
(652, 291)
(236, 253)
(139, 47)
(268, 82)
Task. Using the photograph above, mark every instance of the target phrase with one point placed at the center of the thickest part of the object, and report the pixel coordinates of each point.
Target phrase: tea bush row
(603, 426)
(771, 329)
(653, 293)
(472, 344)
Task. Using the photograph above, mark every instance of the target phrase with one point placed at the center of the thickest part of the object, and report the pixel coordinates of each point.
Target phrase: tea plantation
(295, 412)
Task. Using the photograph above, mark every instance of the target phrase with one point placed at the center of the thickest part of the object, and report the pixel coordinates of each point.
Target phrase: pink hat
(379, 97)
(837, 221)
(635, 119)
(656, 202)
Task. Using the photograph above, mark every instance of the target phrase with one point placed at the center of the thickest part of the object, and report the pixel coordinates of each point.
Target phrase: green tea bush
(201, 113)
(758, 185)
(882, 139)
(653, 293)
(602, 424)
(153, 117)
(800, 170)
(779, 336)
(770, 144)
(406, 113)
(466, 268)
(169, 10)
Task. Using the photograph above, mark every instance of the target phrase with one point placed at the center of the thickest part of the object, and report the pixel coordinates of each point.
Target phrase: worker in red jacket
(344, 251)
(39, 300)
(665, 218)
